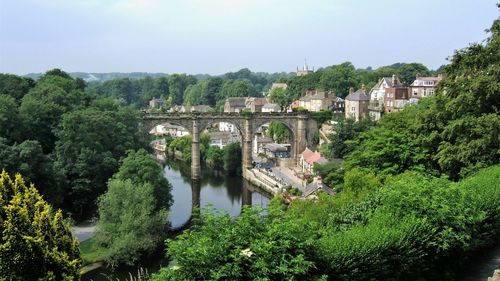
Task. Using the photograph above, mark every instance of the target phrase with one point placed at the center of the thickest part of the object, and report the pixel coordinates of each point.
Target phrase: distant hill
(101, 77)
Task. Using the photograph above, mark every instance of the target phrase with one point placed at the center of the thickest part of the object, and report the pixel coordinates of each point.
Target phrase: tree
(281, 96)
(90, 143)
(36, 243)
(232, 158)
(279, 132)
(140, 167)
(193, 94)
(15, 86)
(211, 88)
(214, 156)
(408, 72)
(339, 78)
(129, 224)
(9, 119)
(345, 130)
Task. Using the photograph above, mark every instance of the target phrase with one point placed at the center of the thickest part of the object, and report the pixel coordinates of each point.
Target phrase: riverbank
(214, 189)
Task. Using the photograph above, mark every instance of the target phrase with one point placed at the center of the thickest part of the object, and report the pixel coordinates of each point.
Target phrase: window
(353, 108)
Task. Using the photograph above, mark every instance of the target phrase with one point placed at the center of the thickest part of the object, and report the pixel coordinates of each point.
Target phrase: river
(215, 189)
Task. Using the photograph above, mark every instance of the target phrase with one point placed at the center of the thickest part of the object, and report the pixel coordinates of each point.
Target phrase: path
(83, 231)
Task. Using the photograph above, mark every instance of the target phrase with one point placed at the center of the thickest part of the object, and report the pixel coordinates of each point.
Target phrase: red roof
(311, 157)
(307, 153)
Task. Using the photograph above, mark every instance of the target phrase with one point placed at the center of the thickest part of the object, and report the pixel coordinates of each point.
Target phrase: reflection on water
(214, 188)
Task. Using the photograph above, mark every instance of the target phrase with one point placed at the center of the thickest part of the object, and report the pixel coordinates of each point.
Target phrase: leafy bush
(35, 242)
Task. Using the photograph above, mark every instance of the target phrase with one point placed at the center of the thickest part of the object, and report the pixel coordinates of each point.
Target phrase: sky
(218, 36)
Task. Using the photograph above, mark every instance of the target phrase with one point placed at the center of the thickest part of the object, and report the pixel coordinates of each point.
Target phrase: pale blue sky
(217, 36)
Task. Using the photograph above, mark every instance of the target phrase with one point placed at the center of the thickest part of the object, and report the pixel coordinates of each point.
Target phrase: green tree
(345, 130)
(279, 132)
(15, 86)
(36, 243)
(232, 158)
(129, 224)
(281, 96)
(214, 156)
(140, 167)
(408, 72)
(339, 78)
(90, 143)
(9, 118)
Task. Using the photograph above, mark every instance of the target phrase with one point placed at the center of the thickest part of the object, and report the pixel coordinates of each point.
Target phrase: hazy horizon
(220, 36)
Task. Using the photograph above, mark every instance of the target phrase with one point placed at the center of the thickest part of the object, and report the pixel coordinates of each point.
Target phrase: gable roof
(359, 95)
(307, 153)
(316, 186)
(236, 102)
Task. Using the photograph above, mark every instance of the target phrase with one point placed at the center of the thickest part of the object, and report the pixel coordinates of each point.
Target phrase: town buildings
(308, 159)
(235, 104)
(316, 100)
(271, 107)
(423, 87)
(157, 103)
(378, 93)
(221, 139)
(356, 104)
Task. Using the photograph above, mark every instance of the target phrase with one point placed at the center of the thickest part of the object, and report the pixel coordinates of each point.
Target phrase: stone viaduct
(303, 129)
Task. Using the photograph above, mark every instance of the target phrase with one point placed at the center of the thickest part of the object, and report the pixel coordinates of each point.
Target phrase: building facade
(356, 104)
(423, 87)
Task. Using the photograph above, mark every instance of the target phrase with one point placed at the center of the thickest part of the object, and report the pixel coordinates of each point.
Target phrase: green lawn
(90, 252)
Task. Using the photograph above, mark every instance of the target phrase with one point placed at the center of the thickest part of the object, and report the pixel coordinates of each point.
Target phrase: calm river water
(215, 189)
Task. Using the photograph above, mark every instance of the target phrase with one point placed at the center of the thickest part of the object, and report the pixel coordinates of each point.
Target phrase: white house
(271, 107)
(227, 127)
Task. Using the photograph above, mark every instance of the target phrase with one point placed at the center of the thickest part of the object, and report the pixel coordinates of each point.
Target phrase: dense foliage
(62, 138)
(414, 225)
(279, 132)
(133, 213)
(35, 242)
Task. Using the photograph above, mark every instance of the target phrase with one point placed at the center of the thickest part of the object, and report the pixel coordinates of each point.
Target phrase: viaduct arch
(302, 126)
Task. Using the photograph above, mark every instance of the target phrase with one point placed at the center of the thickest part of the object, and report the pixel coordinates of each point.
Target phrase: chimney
(394, 78)
(418, 75)
(363, 88)
(351, 90)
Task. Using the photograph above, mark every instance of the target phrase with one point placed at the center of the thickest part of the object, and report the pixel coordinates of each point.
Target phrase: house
(221, 139)
(259, 142)
(192, 108)
(395, 99)
(255, 104)
(227, 127)
(271, 107)
(174, 131)
(235, 104)
(377, 95)
(315, 100)
(277, 150)
(308, 159)
(314, 187)
(338, 105)
(356, 104)
(423, 87)
(157, 103)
